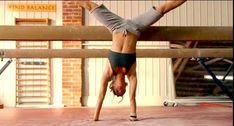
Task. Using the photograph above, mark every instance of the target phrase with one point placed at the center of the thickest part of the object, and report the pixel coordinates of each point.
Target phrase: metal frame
(5, 66)
(217, 81)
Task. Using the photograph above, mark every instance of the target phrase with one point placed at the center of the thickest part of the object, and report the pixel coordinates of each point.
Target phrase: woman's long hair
(112, 89)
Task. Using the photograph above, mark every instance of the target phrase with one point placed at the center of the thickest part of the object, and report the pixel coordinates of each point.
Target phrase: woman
(122, 56)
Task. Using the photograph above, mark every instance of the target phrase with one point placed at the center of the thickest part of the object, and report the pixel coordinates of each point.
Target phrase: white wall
(8, 78)
(155, 77)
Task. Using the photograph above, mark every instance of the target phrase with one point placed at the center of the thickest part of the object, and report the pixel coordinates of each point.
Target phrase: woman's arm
(132, 77)
(107, 74)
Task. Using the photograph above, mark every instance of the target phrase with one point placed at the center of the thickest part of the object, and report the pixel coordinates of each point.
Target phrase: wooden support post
(102, 53)
(179, 60)
(179, 69)
(100, 33)
(1, 106)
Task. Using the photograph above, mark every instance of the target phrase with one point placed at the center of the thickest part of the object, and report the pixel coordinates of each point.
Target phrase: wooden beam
(100, 33)
(100, 53)
(180, 69)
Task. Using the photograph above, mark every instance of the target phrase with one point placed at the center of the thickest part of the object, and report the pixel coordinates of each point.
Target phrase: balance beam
(102, 53)
(100, 33)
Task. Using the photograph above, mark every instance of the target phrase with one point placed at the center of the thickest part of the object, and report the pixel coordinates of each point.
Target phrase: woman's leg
(169, 5)
(103, 15)
(155, 13)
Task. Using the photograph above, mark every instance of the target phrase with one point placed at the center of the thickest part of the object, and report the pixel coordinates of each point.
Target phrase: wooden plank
(26, 80)
(100, 33)
(102, 53)
(32, 68)
(32, 20)
(32, 91)
(32, 102)
(32, 96)
(32, 85)
(32, 74)
(33, 46)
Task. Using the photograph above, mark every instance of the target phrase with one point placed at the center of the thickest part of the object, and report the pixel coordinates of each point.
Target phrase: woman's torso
(124, 43)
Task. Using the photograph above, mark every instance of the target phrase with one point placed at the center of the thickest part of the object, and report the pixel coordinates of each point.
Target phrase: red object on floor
(115, 116)
(206, 104)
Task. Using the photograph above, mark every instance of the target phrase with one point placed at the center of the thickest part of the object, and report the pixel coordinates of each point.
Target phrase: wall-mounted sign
(32, 7)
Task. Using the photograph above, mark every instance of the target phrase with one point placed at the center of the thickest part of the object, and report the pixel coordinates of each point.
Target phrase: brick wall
(72, 68)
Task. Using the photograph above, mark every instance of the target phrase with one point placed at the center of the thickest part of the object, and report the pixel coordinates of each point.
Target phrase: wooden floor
(203, 115)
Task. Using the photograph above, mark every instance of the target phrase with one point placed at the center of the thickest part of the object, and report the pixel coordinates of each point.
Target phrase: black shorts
(125, 60)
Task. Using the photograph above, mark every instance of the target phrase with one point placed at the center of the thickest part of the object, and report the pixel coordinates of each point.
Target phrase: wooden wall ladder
(33, 75)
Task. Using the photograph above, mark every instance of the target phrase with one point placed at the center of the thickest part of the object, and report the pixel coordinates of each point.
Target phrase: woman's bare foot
(133, 118)
(87, 5)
